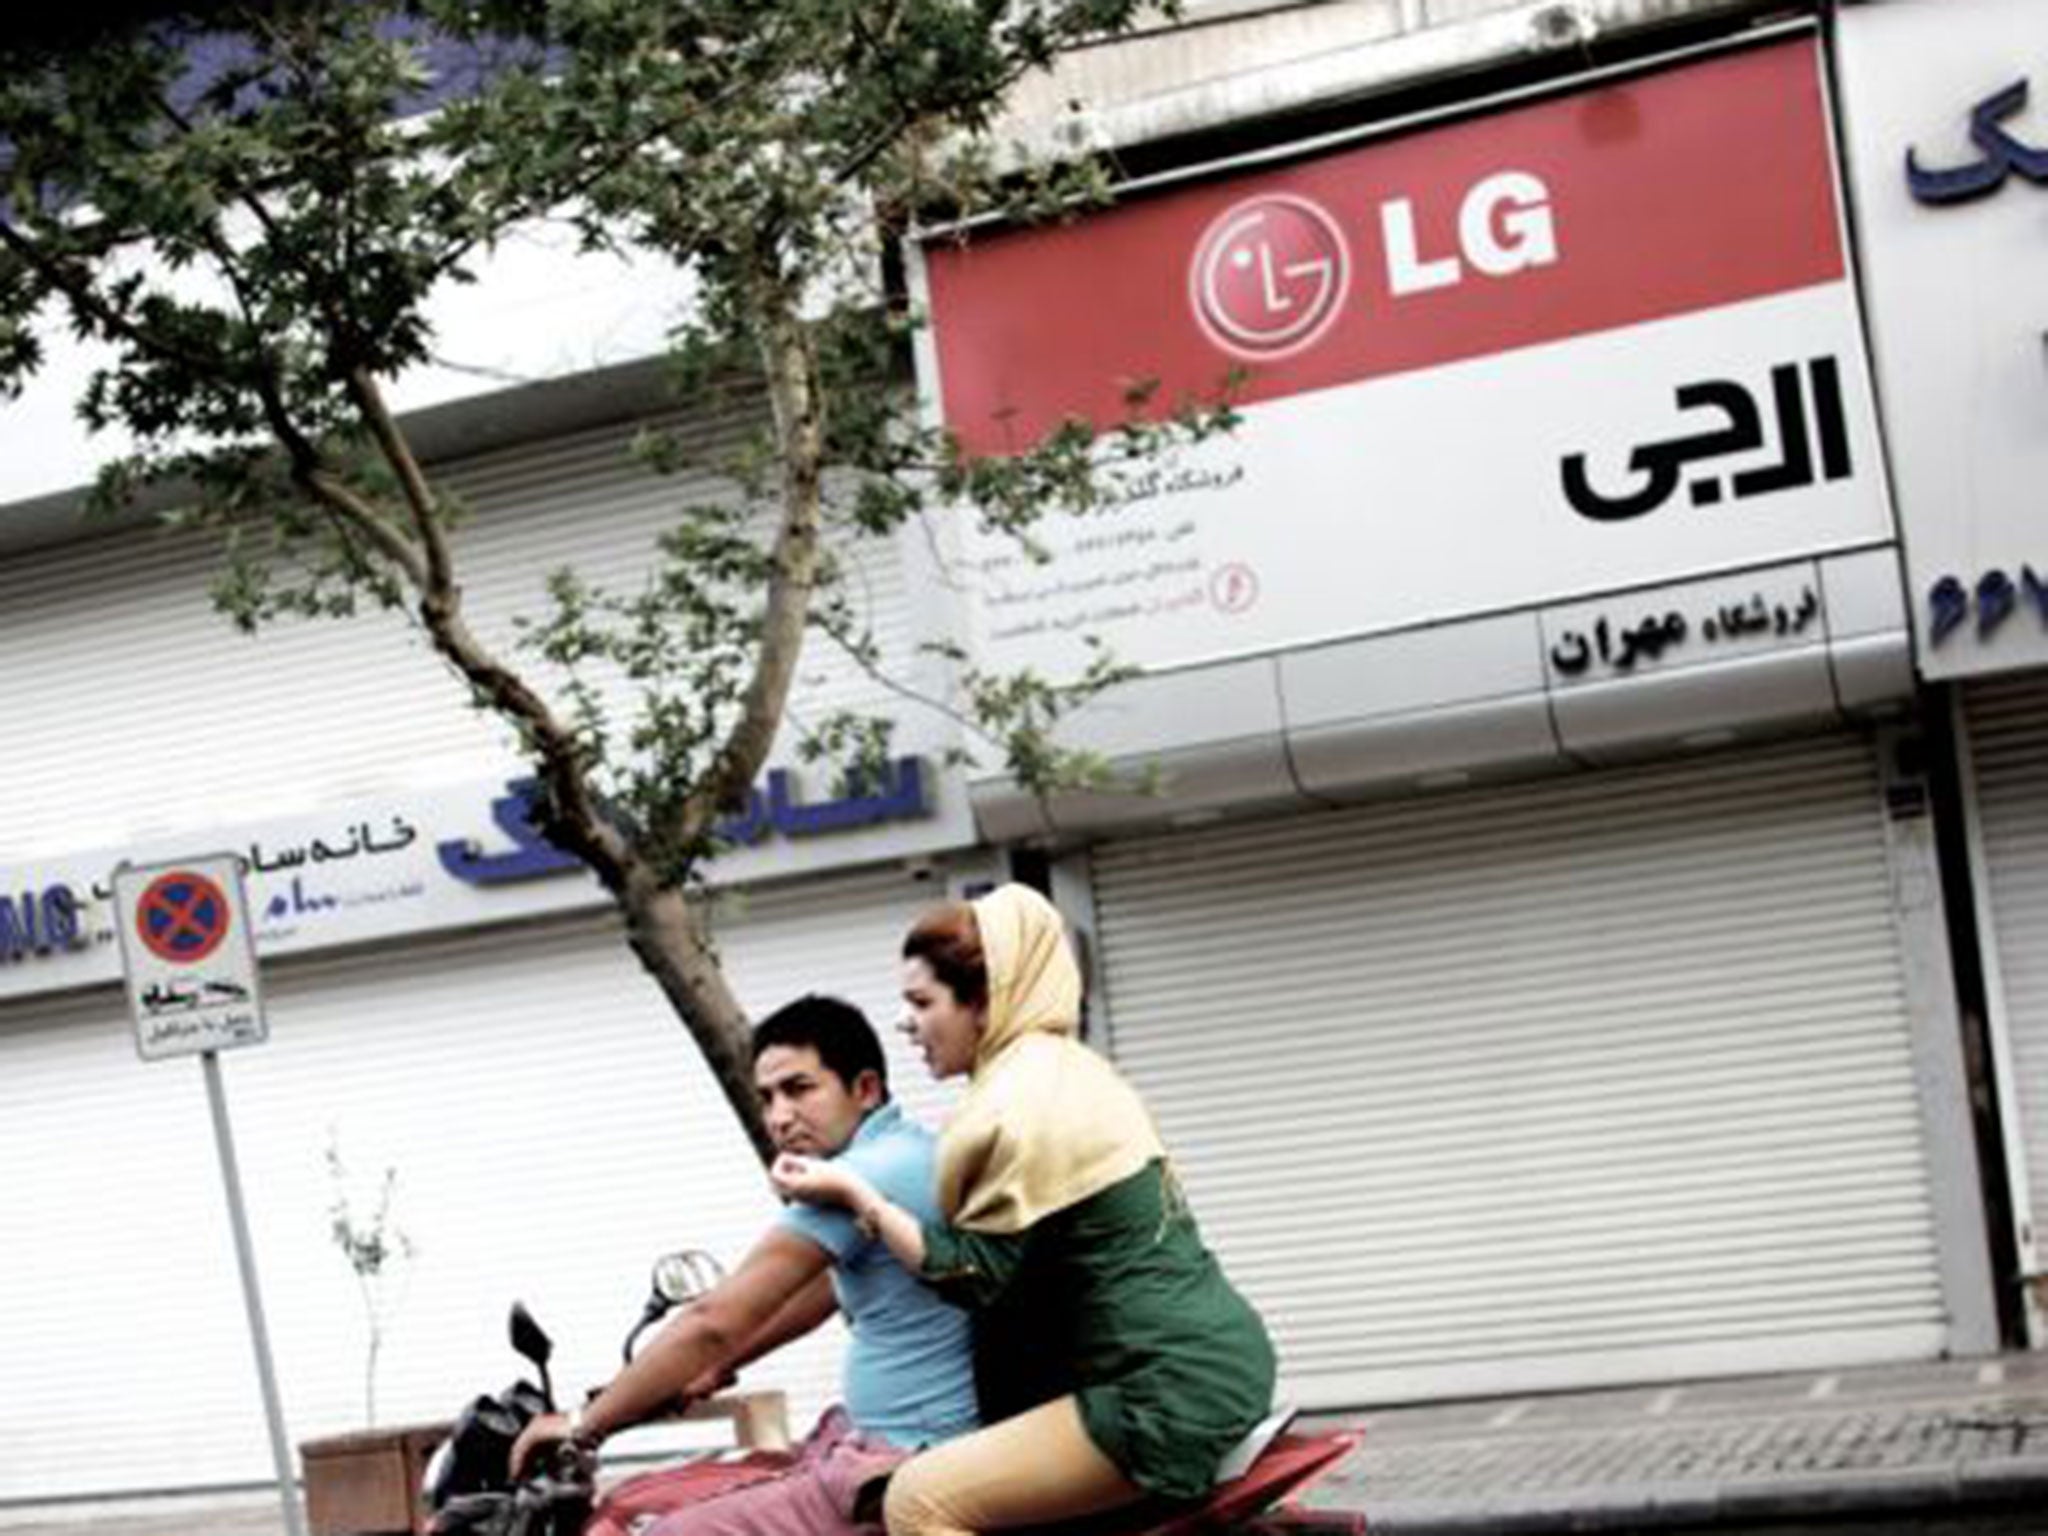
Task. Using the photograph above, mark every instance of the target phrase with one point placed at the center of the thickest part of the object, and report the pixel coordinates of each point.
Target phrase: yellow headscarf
(1046, 1122)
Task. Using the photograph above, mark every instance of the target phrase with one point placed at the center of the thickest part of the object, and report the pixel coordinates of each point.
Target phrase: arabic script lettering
(1621, 647)
(1661, 467)
(901, 794)
(1995, 597)
(1999, 154)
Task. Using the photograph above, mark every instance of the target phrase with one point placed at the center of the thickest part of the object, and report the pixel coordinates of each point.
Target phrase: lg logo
(1270, 274)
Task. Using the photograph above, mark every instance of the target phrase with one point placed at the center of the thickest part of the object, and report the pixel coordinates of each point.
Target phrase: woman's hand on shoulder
(816, 1181)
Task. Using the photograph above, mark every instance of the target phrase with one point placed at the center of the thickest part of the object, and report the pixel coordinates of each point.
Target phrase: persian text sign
(1596, 341)
(457, 857)
(189, 954)
(1946, 106)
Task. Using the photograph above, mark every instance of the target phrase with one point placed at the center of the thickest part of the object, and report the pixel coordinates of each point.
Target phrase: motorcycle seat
(1238, 1460)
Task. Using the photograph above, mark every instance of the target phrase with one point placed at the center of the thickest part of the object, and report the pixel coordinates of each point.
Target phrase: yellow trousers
(1035, 1469)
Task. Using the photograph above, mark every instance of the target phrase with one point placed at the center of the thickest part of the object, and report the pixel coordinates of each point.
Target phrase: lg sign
(1524, 227)
(1270, 274)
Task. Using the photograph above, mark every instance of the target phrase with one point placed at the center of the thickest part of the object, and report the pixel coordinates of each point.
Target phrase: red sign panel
(182, 917)
(1658, 196)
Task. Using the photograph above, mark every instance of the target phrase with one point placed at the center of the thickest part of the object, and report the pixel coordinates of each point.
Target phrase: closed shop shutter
(118, 720)
(1596, 1079)
(2007, 723)
(552, 1128)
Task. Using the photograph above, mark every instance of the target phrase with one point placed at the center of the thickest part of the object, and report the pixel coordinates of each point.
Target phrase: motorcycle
(467, 1490)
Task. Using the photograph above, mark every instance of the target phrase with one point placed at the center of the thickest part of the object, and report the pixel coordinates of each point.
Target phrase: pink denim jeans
(817, 1496)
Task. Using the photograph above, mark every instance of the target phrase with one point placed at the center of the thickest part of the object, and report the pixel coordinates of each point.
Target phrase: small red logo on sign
(182, 917)
(1269, 276)
(1233, 588)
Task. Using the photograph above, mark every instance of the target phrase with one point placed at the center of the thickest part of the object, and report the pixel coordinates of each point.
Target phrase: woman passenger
(1113, 1358)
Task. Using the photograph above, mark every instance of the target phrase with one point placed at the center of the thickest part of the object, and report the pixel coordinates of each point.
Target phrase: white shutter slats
(192, 724)
(1616, 1296)
(2007, 721)
(1546, 1038)
(552, 1128)
(138, 711)
(1470, 1144)
(1577, 1080)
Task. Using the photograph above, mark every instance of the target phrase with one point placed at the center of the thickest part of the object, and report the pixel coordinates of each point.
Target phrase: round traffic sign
(182, 917)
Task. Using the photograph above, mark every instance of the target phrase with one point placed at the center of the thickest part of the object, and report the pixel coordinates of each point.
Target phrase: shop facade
(1537, 953)
(448, 996)
(1942, 111)
(1534, 945)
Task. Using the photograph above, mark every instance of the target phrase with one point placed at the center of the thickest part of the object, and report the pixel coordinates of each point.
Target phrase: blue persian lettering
(532, 854)
(1999, 154)
(1996, 597)
(39, 923)
(900, 794)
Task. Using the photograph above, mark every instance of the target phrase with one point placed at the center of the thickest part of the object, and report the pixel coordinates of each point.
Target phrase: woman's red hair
(948, 940)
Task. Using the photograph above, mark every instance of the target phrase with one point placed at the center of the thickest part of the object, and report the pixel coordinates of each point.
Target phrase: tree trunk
(667, 932)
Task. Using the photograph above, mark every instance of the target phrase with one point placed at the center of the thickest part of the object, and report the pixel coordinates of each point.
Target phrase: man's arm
(798, 1316)
(792, 1320)
(708, 1337)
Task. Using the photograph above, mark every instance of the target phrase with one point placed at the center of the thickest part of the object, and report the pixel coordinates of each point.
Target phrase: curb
(1957, 1488)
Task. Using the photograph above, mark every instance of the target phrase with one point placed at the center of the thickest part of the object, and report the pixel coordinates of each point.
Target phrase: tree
(254, 205)
(377, 1250)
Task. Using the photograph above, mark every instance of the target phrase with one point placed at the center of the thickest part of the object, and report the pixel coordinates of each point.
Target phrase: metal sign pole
(245, 1259)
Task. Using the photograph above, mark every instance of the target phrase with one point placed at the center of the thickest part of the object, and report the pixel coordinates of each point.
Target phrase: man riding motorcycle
(908, 1373)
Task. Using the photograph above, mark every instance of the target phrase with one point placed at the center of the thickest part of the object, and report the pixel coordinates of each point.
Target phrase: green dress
(1116, 1299)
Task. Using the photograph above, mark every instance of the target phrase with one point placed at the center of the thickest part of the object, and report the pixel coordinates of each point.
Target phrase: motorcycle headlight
(440, 1467)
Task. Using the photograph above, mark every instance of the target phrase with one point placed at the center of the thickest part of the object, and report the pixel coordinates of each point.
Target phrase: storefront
(1534, 952)
(2005, 760)
(552, 1129)
(447, 997)
(1533, 943)
(1951, 167)
(1604, 1079)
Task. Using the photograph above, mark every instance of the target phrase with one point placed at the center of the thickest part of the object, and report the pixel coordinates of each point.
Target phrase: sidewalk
(1928, 1442)
(1956, 1441)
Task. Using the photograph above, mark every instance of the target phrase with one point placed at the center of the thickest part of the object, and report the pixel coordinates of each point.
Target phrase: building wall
(138, 719)
(1943, 125)
(551, 1125)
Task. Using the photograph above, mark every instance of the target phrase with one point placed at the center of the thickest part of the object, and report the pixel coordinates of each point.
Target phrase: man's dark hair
(839, 1032)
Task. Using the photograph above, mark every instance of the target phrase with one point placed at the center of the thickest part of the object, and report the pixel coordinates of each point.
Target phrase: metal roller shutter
(1597, 1079)
(320, 712)
(552, 1128)
(2007, 724)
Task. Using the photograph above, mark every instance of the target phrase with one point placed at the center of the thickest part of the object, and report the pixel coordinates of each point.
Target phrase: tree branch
(430, 534)
(79, 290)
(858, 655)
(250, 198)
(352, 510)
(908, 116)
(590, 832)
(239, 190)
(793, 565)
(541, 201)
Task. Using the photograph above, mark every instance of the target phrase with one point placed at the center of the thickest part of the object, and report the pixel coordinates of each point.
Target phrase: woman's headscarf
(1046, 1122)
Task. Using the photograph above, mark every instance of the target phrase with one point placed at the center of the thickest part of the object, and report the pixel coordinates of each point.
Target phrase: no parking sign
(190, 958)
(189, 955)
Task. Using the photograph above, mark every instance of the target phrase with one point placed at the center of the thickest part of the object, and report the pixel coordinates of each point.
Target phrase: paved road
(1938, 1449)
(1933, 1439)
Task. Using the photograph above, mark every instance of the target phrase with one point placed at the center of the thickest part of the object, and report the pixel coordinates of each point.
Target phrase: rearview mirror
(531, 1340)
(681, 1277)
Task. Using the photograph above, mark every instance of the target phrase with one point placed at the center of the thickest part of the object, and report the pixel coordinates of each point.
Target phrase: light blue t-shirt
(910, 1368)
